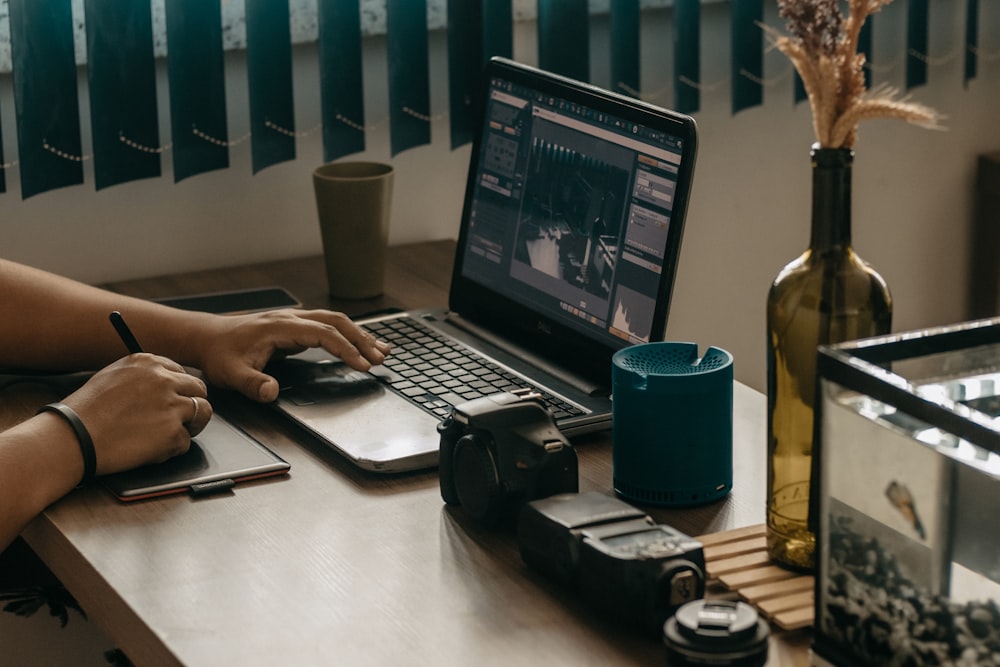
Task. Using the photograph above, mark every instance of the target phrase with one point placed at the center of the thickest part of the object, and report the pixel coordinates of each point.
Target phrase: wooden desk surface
(334, 565)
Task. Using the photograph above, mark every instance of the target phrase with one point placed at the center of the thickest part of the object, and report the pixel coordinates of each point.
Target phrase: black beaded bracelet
(82, 436)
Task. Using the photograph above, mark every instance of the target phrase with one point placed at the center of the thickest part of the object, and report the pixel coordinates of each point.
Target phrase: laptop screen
(575, 205)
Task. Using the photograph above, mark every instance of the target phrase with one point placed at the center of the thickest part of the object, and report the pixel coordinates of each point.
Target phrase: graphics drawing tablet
(220, 456)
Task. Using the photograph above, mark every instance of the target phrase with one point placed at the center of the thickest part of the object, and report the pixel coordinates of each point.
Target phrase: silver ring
(195, 415)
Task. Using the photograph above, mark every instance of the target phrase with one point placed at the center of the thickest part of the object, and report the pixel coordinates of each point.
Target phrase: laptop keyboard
(436, 372)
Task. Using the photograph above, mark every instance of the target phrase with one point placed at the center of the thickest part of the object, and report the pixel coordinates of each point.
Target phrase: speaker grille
(671, 360)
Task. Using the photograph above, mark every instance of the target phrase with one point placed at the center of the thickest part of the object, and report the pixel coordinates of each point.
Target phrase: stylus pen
(125, 333)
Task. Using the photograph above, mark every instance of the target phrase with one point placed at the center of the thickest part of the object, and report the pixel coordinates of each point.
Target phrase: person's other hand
(140, 410)
(235, 351)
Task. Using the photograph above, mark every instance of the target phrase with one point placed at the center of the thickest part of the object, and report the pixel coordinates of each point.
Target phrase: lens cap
(716, 632)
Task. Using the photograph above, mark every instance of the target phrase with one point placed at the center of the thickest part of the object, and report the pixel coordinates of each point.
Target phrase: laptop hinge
(589, 387)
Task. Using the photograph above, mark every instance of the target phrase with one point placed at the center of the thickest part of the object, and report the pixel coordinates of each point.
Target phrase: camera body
(619, 559)
(500, 451)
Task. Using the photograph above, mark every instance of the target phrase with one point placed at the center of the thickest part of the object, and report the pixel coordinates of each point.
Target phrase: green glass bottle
(826, 295)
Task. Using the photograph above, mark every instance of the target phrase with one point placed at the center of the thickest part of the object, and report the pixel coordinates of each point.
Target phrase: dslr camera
(616, 556)
(500, 451)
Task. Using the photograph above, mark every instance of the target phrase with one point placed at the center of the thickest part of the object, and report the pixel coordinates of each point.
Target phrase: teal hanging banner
(917, 38)
(747, 53)
(196, 75)
(3, 167)
(124, 127)
(564, 38)
(971, 39)
(269, 73)
(687, 55)
(865, 47)
(625, 75)
(45, 95)
(498, 28)
(409, 74)
(800, 89)
(477, 30)
(342, 90)
(466, 52)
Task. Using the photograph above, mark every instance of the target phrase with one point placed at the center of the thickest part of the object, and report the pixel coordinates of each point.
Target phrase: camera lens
(725, 633)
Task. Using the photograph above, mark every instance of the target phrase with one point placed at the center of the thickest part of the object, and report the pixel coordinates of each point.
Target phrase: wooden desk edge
(102, 603)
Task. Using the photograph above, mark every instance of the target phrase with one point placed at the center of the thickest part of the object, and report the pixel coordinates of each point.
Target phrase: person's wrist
(83, 438)
(192, 337)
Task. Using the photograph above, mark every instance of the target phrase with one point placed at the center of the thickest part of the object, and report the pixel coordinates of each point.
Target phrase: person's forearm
(53, 323)
(40, 462)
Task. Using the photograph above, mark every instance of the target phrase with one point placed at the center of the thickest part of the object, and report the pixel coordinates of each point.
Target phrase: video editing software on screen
(571, 211)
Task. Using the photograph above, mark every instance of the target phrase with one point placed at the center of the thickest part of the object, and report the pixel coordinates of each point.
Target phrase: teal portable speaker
(672, 424)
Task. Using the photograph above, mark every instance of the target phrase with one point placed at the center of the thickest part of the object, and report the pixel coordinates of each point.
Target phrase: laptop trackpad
(369, 424)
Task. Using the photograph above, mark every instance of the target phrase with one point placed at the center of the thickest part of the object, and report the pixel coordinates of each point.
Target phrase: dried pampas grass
(823, 47)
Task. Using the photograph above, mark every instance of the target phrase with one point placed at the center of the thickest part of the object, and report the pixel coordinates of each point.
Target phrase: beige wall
(748, 217)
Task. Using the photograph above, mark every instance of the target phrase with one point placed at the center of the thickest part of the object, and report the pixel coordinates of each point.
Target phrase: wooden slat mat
(737, 560)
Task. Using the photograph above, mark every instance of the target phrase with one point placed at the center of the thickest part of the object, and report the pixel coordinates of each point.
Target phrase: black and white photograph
(572, 217)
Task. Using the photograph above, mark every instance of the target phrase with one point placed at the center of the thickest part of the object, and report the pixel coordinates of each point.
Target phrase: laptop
(566, 253)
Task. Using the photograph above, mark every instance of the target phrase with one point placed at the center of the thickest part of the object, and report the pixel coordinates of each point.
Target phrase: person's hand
(235, 350)
(140, 410)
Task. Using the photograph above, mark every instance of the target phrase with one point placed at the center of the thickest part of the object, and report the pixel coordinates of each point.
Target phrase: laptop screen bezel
(548, 337)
